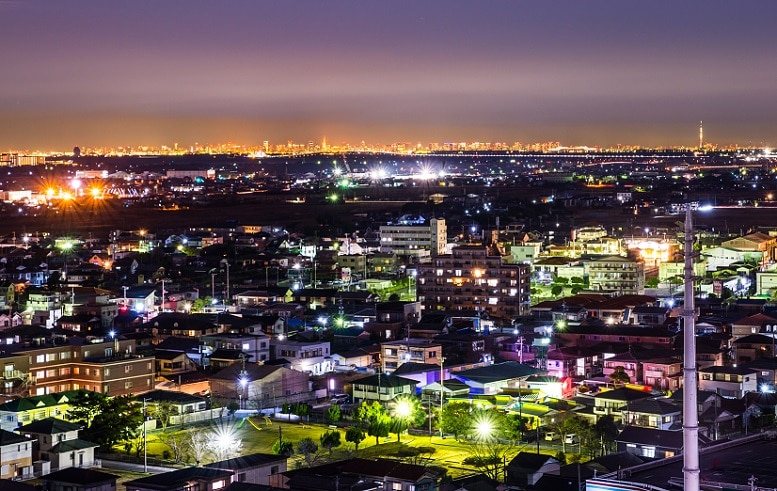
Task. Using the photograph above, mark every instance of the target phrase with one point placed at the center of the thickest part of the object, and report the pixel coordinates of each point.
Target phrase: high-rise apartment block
(475, 278)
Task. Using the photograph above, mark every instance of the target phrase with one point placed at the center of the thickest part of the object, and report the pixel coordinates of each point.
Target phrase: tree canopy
(106, 420)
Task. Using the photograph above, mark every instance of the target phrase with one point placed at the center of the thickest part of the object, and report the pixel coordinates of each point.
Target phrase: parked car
(570, 439)
(550, 436)
(340, 399)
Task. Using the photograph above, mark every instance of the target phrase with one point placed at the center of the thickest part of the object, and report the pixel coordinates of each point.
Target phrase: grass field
(258, 437)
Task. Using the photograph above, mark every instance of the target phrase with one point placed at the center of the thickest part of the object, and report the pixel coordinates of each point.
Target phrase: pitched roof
(79, 475)
(653, 406)
(623, 394)
(168, 480)
(70, 445)
(529, 460)
(494, 373)
(50, 426)
(247, 461)
(385, 380)
(651, 436)
(9, 438)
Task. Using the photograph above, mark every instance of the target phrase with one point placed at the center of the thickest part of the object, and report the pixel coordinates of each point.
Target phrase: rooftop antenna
(690, 416)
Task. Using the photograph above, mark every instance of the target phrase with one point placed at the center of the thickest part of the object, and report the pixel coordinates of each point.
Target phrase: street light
(402, 411)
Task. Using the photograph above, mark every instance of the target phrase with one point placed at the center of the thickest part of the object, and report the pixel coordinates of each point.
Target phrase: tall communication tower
(701, 135)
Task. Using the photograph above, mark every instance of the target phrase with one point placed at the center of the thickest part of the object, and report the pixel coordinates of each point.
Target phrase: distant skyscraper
(701, 135)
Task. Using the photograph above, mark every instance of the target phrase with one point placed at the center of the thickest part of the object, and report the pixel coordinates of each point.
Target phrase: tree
(619, 376)
(455, 418)
(334, 413)
(651, 282)
(301, 409)
(163, 412)
(197, 443)
(107, 421)
(177, 443)
(606, 431)
(232, 408)
(487, 457)
(556, 290)
(354, 435)
(330, 440)
(513, 426)
(413, 414)
(308, 449)
(283, 447)
(574, 425)
(376, 419)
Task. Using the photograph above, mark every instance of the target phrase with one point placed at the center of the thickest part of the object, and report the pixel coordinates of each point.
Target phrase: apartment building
(617, 274)
(474, 278)
(395, 353)
(417, 241)
(57, 364)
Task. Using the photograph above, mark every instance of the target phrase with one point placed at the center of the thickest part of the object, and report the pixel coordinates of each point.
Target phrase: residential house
(628, 362)
(733, 382)
(311, 357)
(653, 413)
(15, 455)
(613, 402)
(255, 344)
(56, 441)
(169, 363)
(190, 478)
(526, 468)
(382, 387)
(256, 468)
(650, 442)
(264, 385)
(754, 347)
(491, 379)
(572, 361)
(663, 373)
(73, 479)
(752, 324)
(356, 473)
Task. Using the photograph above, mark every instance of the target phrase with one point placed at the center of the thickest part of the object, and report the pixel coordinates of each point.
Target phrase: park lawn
(259, 437)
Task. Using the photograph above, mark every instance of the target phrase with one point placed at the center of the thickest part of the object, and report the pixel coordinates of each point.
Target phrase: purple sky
(97, 72)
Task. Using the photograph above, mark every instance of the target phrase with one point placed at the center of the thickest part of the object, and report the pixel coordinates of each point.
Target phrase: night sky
(154, 72)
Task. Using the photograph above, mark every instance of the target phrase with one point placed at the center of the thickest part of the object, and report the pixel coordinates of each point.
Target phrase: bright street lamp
(402, 411)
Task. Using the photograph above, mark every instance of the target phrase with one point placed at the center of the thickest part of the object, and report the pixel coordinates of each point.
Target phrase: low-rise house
(382, 388)
(649, 442)
(28, 409)
(311, 357)
(754, 347)
(15, 455)
(653, 413)
(56, 441)
(356, 473)
(527, 468)
(190, 478)
(170, 363)
(72, 479)
(257, 468)
(613, 402)
(260, 386)
(732, 382)
(662, 373)
(571, 361)
(491, 379)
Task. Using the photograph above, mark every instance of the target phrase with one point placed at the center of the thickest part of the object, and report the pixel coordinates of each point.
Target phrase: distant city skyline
(109, 74)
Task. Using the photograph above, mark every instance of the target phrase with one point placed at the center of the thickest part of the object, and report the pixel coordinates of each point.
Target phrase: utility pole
(145, 445)
(442, 392)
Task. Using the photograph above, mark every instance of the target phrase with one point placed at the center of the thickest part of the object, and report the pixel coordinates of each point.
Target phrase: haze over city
(95, 73)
